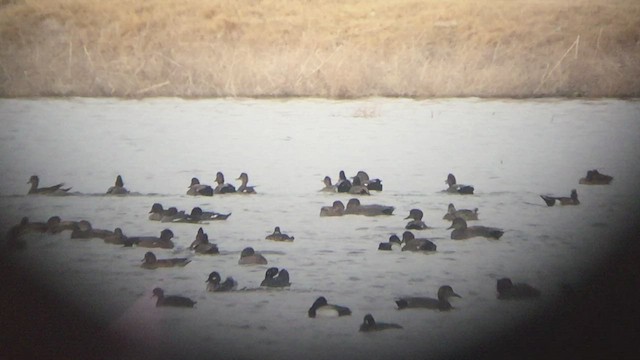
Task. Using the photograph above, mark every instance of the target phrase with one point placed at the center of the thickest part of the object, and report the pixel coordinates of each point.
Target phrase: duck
(118, 188)
(196, 188)
(466, 214)
(118, 237)
(354, 207)
(197, 212)
(441, 303)
(357, 188)
(369, 324)
(321, 308)
(336, 209)
(243, 188)
(343, 184)
(171, 300)
(278, 236)
(222, 187)
(196, 216)
(371, 184)
(571, 200)
(55, 225)
(201, 244)
(328, 186)
(84, 230)
(248, 256)
(394, 240)
(461, 231)
(416, 222)
(508, 290)
(173, 215)
(456, 188)
(151, 262)
(412, 244)
(214, 283)
(163, 242)
(156, 212)
(13, 239)
(51, 190)
(275, 278)
(594, 177)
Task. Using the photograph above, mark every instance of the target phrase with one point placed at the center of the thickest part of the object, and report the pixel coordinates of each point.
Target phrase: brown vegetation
(327, 48)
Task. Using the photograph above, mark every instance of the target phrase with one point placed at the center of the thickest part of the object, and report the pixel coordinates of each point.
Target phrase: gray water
(511, 151)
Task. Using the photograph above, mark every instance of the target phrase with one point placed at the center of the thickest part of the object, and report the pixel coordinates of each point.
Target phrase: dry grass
(327, 48)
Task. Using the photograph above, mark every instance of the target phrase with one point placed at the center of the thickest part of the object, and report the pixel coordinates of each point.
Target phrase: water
(511, 151)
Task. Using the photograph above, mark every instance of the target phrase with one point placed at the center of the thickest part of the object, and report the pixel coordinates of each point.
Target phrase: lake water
(511, 151)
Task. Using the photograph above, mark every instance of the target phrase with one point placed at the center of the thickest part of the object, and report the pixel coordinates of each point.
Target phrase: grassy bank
(327, 48)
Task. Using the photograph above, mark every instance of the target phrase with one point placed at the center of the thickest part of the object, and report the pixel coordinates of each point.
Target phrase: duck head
(271, 273)
(415, 214)
(214, 278)
(451, 180)
(149, 258)
(458, 224)
(119, 182)
(34, 180)
(219, 178)
(156, 208)
(248, 251)
(166, 235)
(194, 181)
(321, 301)
(445, 292)
(158, 292)
(353, 203)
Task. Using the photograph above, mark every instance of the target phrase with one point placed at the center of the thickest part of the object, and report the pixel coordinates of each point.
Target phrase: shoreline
(327, 49)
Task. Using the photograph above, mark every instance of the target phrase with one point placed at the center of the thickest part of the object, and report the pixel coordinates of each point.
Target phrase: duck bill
(456, 295)
(450, 227)
(408, 217)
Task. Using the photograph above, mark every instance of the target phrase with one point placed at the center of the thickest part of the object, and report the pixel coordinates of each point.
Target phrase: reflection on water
(511, 151)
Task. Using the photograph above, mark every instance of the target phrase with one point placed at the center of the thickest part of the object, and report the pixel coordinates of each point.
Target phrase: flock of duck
(360, 184)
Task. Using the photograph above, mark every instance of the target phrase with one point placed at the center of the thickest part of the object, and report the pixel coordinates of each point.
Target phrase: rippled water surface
(511, 151)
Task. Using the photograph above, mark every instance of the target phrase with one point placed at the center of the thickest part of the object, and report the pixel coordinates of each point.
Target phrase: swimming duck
(222, 187)
(271, 280)
(214, 284)
(343, 184)
(84, 230)
(508, 290)
(173, 215)
(388, 246)
(456, 188)
(572, 200)
(197, 212)
(594, 177)
(243, 188)
(163, 242)
(328, 187)
(369, 324)
(118, 188)
(172, 300)
(151, 262)
(412, 244)
(201, 244)
(371, 184)
(466, 214)
(196, 216)
(461, 231)
(118, 238)
(199, 189)
(248, 256)
(336, 209)
(441, 303)
(416, 223)
(278, 236)
(321, 308)
(357, 188)
(354, 207)
(56, 225)
(12, 238)
(51, 190)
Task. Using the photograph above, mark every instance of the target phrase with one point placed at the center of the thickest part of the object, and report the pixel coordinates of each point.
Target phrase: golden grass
(326, 48)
